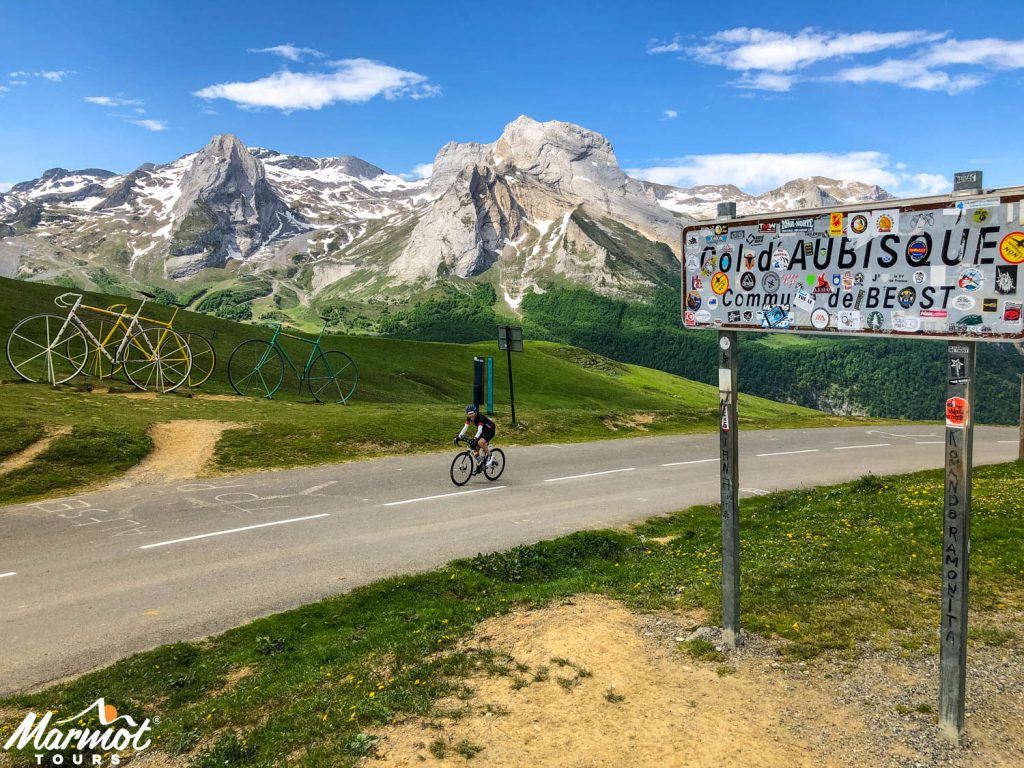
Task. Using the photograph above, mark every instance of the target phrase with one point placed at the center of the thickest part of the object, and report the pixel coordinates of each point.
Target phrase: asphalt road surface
(88, 579)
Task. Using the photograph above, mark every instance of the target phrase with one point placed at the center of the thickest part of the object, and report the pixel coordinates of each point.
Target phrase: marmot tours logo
(115, 733)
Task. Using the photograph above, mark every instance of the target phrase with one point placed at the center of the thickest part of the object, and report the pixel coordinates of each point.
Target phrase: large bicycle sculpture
(54, 348)
(109, 333)
(256, 368)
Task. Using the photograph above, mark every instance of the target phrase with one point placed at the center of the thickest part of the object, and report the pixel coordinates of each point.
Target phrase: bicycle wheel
(204, 359)
(332, 377)
(493, 470)
(256, 369)
(157, 358)
(47, 348)
(99, 365)
(462, 468)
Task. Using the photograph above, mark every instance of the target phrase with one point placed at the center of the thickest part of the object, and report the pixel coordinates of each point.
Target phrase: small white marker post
(728, 431)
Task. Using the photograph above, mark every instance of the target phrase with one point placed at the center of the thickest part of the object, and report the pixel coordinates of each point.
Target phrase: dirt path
(26, 456)
(754, 710)
(181, 450)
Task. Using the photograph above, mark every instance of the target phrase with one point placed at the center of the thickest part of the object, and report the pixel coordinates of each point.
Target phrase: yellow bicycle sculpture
(55, 348)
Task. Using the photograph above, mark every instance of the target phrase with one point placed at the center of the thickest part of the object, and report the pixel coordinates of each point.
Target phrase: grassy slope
(823, 569)
(562, 394)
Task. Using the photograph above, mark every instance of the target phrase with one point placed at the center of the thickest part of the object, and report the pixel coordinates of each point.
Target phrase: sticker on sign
(939, 267)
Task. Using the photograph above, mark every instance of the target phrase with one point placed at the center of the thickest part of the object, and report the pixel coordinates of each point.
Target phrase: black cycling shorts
(487, 434)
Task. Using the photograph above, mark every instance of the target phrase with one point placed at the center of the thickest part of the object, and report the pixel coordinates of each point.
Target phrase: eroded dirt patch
(604, 687)
(26, 456)
(181, 451)
(638, 421)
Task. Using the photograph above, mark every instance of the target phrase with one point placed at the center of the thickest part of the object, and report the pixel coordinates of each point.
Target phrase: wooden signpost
(944, 268)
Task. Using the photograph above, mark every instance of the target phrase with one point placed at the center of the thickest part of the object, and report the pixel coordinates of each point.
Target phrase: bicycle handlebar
(64, 301)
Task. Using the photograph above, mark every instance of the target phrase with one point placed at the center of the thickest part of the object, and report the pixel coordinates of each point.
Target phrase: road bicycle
(109, 333)
(468, 463)
(49, 347)
(256, 368)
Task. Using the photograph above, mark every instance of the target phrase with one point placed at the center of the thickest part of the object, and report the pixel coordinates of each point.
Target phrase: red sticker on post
(956, 412)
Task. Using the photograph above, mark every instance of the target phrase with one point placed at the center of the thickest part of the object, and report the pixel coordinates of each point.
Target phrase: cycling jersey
(484, 426)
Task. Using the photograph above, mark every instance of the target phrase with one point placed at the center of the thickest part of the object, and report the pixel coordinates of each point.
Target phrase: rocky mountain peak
(225, 209)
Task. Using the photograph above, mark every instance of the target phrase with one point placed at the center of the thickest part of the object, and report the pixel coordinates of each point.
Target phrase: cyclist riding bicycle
(484, 434)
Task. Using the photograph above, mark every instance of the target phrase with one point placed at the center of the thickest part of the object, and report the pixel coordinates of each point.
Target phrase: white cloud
(769, 60)
(912, 73)
(765, 81)
(19, 82)
(420, 171)
(149, 125)
(4, 88)
(53, 75)
(746, 48)
(112, 101)
(660, 46)
(5, 186)
(759, 172)
(352, 80)
(290, 51)
(670, 114)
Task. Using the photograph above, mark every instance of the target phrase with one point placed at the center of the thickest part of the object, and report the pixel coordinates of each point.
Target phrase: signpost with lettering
(510, 338)
(944, 267)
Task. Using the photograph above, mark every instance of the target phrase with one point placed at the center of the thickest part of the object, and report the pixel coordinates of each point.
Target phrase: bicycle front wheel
(332, 377)
(256, 369)
(47, 348)
(462, 468)
(204, 359)
(496, 464)
(157, 358)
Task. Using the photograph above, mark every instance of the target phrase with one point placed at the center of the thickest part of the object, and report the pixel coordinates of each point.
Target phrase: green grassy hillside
(409, 398)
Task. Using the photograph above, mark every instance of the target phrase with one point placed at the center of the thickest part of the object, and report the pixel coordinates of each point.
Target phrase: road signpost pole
(1020, 427)
(956, 537)
(490, 386)
(729, 465)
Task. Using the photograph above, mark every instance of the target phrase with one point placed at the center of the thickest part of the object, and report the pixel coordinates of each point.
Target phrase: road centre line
(444, 495)
(589, 474)
(1009, 441)
(9, 573)
(851, 447)
(234, 530)
(787, 453)
(695, 461)
(930, 442)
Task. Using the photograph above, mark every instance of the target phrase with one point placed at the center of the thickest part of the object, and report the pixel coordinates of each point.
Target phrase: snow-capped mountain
(544, 203)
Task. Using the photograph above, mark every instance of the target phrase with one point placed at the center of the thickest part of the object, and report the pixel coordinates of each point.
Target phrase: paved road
(88, 579)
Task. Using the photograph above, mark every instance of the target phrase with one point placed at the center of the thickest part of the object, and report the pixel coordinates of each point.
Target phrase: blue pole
(490, 386)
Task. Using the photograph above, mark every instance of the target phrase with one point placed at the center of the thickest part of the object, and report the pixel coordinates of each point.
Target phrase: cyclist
(484, 434)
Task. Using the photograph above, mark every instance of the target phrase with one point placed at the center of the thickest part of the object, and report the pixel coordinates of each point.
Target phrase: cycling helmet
(471, 409)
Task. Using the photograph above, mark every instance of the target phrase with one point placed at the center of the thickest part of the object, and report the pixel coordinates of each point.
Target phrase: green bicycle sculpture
(256, 368)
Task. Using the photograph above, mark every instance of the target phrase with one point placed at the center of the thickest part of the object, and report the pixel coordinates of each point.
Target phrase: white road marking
(929, 442)
(590, 474)
(1009, 441)
(695, 461)
(787, 453)
(891, 434)
(850, 447)
(444, 495)
(234, 530)
(9, 573)
(315, 488)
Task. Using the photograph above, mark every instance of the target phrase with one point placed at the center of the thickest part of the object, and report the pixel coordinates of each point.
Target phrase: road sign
(510, 337)
(941, 267)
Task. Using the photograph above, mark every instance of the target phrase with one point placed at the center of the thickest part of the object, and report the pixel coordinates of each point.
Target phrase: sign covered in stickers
(936, 267)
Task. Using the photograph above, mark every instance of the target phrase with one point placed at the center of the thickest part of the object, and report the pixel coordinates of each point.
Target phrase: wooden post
(729, 466)
(956, 538)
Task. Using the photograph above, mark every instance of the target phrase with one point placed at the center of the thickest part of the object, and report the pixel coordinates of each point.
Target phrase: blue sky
(753, 93)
